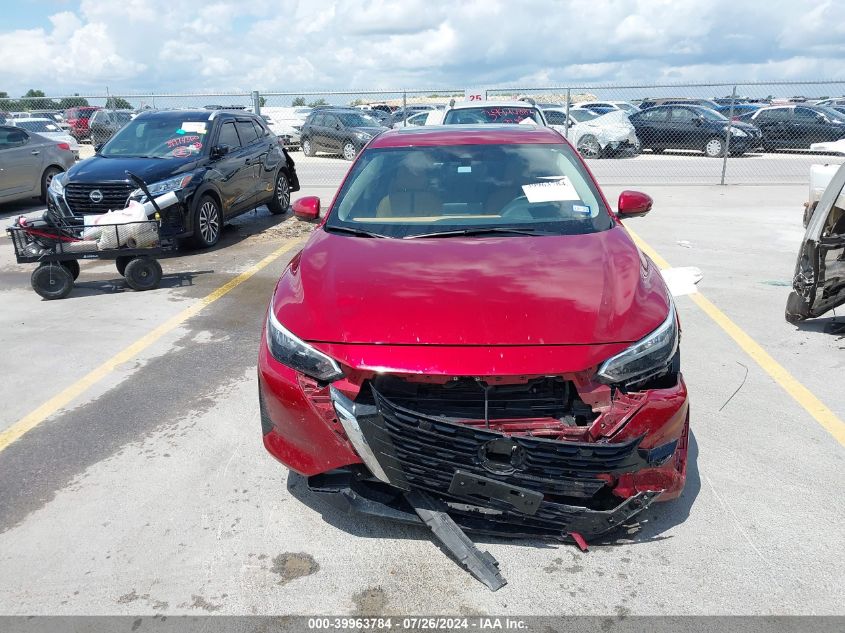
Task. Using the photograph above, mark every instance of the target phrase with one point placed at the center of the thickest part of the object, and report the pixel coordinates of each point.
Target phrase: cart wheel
(121, 262)
(72, 266)
(143, 273)
(52, 281)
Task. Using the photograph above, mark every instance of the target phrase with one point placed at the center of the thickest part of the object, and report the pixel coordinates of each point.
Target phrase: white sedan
(595, 135)
(47, 128)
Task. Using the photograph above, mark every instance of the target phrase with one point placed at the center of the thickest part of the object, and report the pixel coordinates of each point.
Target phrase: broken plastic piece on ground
(681, 281)
(580, 541)
(480, 564)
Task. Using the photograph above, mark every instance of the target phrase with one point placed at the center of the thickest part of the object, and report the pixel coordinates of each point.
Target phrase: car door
(318, 132)
(235, 173)
(255, 148)
(333, 132)
(651, 126)
(774, 126)
(21, 156)
(686, 129)
(811, 126)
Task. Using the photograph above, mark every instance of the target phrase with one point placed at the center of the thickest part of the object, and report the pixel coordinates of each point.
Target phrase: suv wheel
(207, 222)
(307, 149)
(589, 147)
(349, 150)
(280, 201)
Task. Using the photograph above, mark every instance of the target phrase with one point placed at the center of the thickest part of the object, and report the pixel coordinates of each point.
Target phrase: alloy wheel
(713, 147)
(209, 222)
(283, 191)
(349, 151)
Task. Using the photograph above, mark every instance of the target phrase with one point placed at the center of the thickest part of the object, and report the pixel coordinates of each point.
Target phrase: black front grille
(421, 451)
(427, 452)
(114, 196)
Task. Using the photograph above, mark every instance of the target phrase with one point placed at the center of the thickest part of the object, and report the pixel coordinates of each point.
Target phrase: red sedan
(472, 323)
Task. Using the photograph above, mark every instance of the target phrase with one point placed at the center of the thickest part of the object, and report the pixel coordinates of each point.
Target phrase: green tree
(73, 102)
(118, 103)
(262, 101)
(298, 102)
(36, 100)
(318, 102)
(357, 102)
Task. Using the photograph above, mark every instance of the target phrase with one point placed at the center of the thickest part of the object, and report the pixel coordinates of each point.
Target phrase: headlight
(57, 184)
(363, 136)
(737, 132)
(290, 350)
(164, 186)
(645, 358)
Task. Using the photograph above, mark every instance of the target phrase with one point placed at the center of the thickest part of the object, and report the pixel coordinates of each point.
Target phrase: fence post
(256, 102)
(566, 123)
(728, 136)
(404, 109)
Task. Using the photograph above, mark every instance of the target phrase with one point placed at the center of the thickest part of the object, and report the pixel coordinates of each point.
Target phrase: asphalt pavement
(142, 487)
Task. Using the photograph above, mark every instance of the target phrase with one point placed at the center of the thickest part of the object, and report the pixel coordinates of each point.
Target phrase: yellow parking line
(803, 396)
(62, 399)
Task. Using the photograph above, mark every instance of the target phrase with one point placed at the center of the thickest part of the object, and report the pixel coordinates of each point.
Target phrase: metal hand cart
(56, 240)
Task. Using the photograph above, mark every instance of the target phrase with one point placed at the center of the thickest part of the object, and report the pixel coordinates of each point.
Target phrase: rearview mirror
(307, 208)
(633, 204)
(219, 151)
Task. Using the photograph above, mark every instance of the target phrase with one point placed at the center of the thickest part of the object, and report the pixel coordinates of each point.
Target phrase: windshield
(712, 115)
(39, 126)
(353, 119)
(492, 114)
(179, 136)
(831, 113)
(407, 192)
(583, 115)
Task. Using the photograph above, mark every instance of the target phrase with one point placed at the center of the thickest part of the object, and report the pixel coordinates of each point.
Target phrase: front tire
(52, 281)
(207, 222)
(143, 273)
(714, 148)
(589, 147)
(307, 148)
(46, 179)
(281, 195)
(349, 150)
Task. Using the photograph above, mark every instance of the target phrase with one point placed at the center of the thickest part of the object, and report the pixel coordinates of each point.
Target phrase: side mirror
(820, 118)
(98, 147)
(219, 151)
(633, 204)
(698, 120)
(337, 126)
(307, 208)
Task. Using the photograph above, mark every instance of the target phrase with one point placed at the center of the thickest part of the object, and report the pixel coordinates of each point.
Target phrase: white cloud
(293, 45)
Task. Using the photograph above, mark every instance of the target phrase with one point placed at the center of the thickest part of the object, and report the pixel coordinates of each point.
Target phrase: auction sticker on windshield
(555, 191)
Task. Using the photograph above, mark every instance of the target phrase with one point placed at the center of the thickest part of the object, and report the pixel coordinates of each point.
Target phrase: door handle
(35, 152)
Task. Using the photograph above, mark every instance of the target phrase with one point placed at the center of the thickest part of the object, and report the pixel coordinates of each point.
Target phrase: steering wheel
(518, 207)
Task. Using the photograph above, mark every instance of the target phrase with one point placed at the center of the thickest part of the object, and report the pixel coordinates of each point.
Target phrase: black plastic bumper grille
(114, 196)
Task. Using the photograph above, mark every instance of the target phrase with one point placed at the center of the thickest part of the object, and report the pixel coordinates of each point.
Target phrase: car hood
(544, 290)
(101, 169)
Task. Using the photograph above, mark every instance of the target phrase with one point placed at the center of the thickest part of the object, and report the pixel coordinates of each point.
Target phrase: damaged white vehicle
(595, 135)
(819, 280)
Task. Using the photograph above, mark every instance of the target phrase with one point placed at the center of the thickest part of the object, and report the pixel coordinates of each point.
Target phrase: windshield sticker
(464, 169)
(184, 140)
(555, 191)
(580, 208)
(197, 127)
(183, 151)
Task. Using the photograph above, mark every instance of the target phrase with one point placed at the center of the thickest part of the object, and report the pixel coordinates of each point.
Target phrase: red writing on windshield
(508, 115)
(183, 140)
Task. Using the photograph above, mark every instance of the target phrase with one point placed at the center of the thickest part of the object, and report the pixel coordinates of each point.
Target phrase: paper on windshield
(198, 127)
(553, 191)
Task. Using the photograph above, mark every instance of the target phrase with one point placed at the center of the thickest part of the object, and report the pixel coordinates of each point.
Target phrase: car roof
(460, 105)
(483, 134)
(31, 119)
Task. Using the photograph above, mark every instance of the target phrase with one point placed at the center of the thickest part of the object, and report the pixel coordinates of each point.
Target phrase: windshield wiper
(351, 231)
(486, 230)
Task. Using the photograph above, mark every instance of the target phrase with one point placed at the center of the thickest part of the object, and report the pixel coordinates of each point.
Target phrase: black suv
(342, 131)
(224, 163)
(797, 126)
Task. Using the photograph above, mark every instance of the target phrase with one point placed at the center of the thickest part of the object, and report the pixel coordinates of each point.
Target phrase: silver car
(28, 162)
(47, 128)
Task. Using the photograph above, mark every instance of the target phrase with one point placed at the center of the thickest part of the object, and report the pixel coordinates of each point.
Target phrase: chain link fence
(715, 133)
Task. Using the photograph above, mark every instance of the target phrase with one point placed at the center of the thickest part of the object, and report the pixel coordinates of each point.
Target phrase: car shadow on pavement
(651, 524)
(827, 325)
(119, 285)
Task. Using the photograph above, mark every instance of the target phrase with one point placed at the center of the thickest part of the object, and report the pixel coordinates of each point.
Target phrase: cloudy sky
(68, 46)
